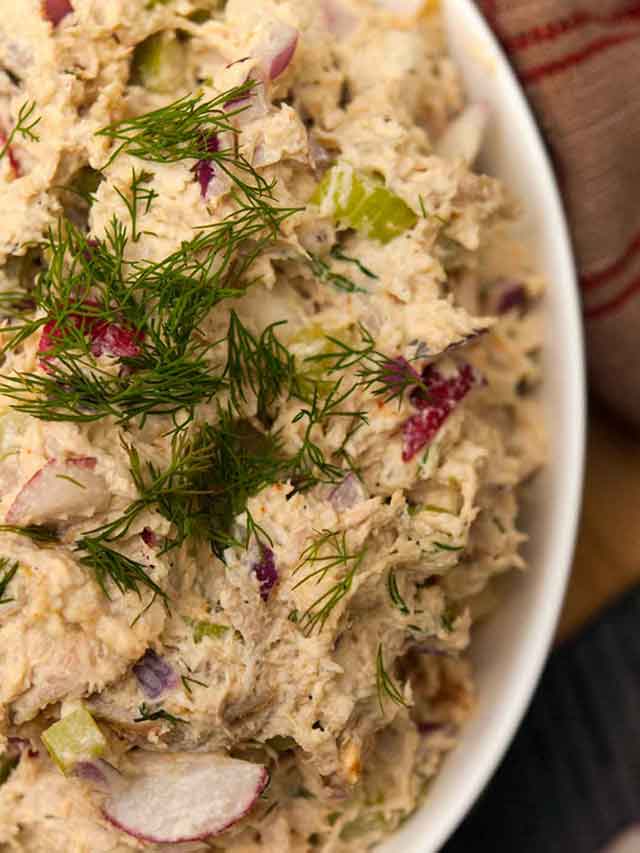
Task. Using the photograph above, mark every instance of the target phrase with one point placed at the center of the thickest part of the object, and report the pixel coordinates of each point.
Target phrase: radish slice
(184, 797)
(62, 490)
(278, 49)
(442, 396)
(464, 136)
(56, 10)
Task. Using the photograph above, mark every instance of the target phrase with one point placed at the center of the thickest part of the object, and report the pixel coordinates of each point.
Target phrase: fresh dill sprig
(187, 681)
(386, 687)
(145, 714)
(337, 555)
(106, 564)
(323, 272)
(335, 542)
(24, 126)
(262, 365)
(176, 132)
(394, 594)
(184, 129)
(140, 199)
(339, 255)
(310, 466)
(386, 377)
(212, 472)
(160, 305)
(7, 573)
(442, 546)
(38, 533)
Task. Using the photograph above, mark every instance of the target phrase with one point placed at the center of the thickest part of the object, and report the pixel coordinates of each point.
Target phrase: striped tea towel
(579, 62)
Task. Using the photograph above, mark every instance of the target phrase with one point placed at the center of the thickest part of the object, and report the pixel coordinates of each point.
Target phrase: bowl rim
(429, 829)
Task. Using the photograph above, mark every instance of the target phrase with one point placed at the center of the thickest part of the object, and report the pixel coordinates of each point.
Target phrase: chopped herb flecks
(387, 689)
(7, 573)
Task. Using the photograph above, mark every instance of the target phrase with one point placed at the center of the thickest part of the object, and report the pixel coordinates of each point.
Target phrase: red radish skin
(106, 339)
(52, 494)
(55, 10)
(444, 395)
(172, 798)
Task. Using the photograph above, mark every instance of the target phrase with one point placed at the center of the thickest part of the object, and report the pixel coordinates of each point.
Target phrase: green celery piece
(208, 629)
(358, 201)
(158, 63)
(74, 738)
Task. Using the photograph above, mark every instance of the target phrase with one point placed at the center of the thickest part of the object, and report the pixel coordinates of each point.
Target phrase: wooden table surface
(607, 558)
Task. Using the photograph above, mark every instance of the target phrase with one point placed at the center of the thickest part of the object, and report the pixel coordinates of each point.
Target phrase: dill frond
(140, 200)
(7, 573)
(38, 533)
(394, 594)
(386, 687)
(336, 556)
(386, 377)
(24, 126)
(106, 564)
(323, 272)
(146, 714)
(181, 130)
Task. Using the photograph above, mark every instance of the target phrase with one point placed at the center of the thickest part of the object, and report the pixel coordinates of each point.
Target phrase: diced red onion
(435, 405)
(204, 175)
(339, 20)
(321, 158)
(278, 49)
(347, 494)
(249, 107)
(154, 674)
(266, 572)
(514, 296)
(149, 537)
(56, 10)
(90, 771)
(98, 773)
(204, 169)
(92, 244)
(18, 746)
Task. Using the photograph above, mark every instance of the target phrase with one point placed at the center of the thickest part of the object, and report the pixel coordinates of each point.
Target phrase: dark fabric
(571, 781)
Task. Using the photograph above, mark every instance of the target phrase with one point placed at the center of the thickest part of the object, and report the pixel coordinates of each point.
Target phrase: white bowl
(510, 650)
